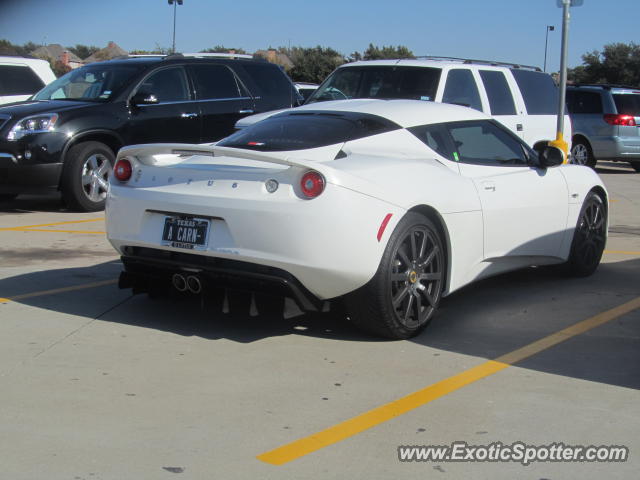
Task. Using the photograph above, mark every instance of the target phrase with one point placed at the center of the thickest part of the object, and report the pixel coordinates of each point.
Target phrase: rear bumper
(625, 149)
(146, 268)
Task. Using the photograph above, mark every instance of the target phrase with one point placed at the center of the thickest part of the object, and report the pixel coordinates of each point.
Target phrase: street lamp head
(551, 28)
(179, 2)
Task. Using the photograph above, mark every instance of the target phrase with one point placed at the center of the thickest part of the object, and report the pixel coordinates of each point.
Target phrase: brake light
(123, 170)
(312, 184)
(622, 120)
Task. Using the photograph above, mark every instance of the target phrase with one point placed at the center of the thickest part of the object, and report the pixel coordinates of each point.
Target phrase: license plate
(186, 232)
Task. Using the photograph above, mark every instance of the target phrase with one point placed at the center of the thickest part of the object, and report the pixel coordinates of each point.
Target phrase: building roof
(112, 50)
(55, 51)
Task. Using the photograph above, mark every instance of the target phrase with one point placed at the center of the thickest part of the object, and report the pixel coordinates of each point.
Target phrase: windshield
(303, 130)
(627, 104)
(97, 83)
(411, 83)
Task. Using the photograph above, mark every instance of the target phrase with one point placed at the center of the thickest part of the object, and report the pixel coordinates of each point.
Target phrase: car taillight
(312, 184)
(123, 170)
(622, 120)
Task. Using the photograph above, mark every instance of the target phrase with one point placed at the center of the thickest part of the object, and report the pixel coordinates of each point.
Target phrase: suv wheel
(85, 178)
(582, 154)
(635, 166)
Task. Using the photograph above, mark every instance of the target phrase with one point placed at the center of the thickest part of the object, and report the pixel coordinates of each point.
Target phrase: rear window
(18, 80)
(272, 82)
(216, 82)
(304, 130)
(387, 82)
(538, 90)
(627, 104)
(497, 88)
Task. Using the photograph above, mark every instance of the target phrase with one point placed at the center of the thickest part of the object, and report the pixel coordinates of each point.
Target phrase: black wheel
(582, 154)
(7, 197)
(85, 177)
(635, 166)
(589, 237)
(404, 294)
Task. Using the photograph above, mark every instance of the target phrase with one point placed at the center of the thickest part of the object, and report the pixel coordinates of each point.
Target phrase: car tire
(86, 175)
(635, 166)
(402, 297)
(589, 237)
(582, 154)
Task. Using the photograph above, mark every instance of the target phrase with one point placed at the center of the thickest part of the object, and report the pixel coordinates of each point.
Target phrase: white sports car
(386, 204)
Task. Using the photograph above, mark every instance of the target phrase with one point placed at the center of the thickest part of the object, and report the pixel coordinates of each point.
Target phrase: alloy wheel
(416, 277)
(591, 233)
(95, 177)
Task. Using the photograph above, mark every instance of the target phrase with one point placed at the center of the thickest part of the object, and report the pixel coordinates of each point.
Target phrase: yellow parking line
(360, 423)
(52, 224)
(622, 252)
(58, 231)
(59, 290)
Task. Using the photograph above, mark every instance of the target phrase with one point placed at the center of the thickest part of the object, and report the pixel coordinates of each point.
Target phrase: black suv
(66, 136)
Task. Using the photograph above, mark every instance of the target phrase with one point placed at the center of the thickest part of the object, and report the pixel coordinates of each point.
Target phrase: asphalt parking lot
(99, 384)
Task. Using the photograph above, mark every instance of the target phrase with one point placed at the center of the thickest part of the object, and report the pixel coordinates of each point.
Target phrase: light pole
(175, 4)
(550, 28)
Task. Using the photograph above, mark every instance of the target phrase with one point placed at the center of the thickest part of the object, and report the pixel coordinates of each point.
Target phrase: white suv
(522, 98)
(21, 77)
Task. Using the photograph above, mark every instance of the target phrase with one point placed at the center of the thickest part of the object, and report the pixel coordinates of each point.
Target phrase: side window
(461, 89)
(584, 102)
(500, 98)
(485, 143)
(168, 85)
(216, 82)
(436, 138)
(539, 91)
(18, 80)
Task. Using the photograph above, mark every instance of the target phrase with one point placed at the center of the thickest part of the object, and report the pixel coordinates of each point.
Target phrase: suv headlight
(34, 124)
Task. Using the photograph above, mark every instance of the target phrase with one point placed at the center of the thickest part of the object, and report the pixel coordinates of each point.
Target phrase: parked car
(21, 77)
(389, 205)
(305, 89)
(67, 136)
(522, 98)
(606, 123)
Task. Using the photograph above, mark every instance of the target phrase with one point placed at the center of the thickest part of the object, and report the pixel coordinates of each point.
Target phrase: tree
(223, 49)
(314, 64)
(373, 52)
(83, 51)
(618, 63)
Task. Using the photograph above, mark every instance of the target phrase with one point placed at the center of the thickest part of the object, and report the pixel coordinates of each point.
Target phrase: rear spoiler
(166, 154)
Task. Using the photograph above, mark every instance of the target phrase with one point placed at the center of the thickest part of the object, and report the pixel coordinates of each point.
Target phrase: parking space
(99, 384)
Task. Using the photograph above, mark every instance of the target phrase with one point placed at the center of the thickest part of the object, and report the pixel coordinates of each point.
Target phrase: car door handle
(248, 110)
(519, 127)
(490, 186)
(189, 115)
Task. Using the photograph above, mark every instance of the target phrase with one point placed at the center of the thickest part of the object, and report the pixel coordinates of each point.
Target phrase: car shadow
(486, 319)
(49, 202)
(615, 168)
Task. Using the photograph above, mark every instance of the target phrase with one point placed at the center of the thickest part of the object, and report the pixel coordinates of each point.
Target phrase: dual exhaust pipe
(184, 283)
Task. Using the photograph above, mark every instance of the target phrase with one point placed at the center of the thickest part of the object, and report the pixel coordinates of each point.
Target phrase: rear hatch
(628, 105)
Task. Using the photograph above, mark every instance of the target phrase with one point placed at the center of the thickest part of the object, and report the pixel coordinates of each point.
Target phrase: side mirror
(143, 98)
(550, 156)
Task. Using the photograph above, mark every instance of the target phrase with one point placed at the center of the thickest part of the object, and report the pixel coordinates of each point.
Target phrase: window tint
(497, 88)
(18, 80)
(538, 90)
(216, 82)
(271, 81)
(435, 137)
(412, 83)
(461, 89)
(485, 143)
(168, 85)
(584, 102)
(627, 104)
(309, 129)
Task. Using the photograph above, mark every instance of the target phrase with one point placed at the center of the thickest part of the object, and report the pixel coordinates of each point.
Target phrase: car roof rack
(173, 56)
(606, 86)
(471, 61)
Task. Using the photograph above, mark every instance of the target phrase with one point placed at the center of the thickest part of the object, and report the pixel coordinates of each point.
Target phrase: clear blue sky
(507, 30)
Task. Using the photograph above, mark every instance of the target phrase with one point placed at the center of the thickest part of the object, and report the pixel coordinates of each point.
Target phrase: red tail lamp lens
(123, 170)
(312, 184)
(622, 120)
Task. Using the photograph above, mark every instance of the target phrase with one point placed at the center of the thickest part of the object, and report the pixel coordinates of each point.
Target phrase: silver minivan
(606, 123)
